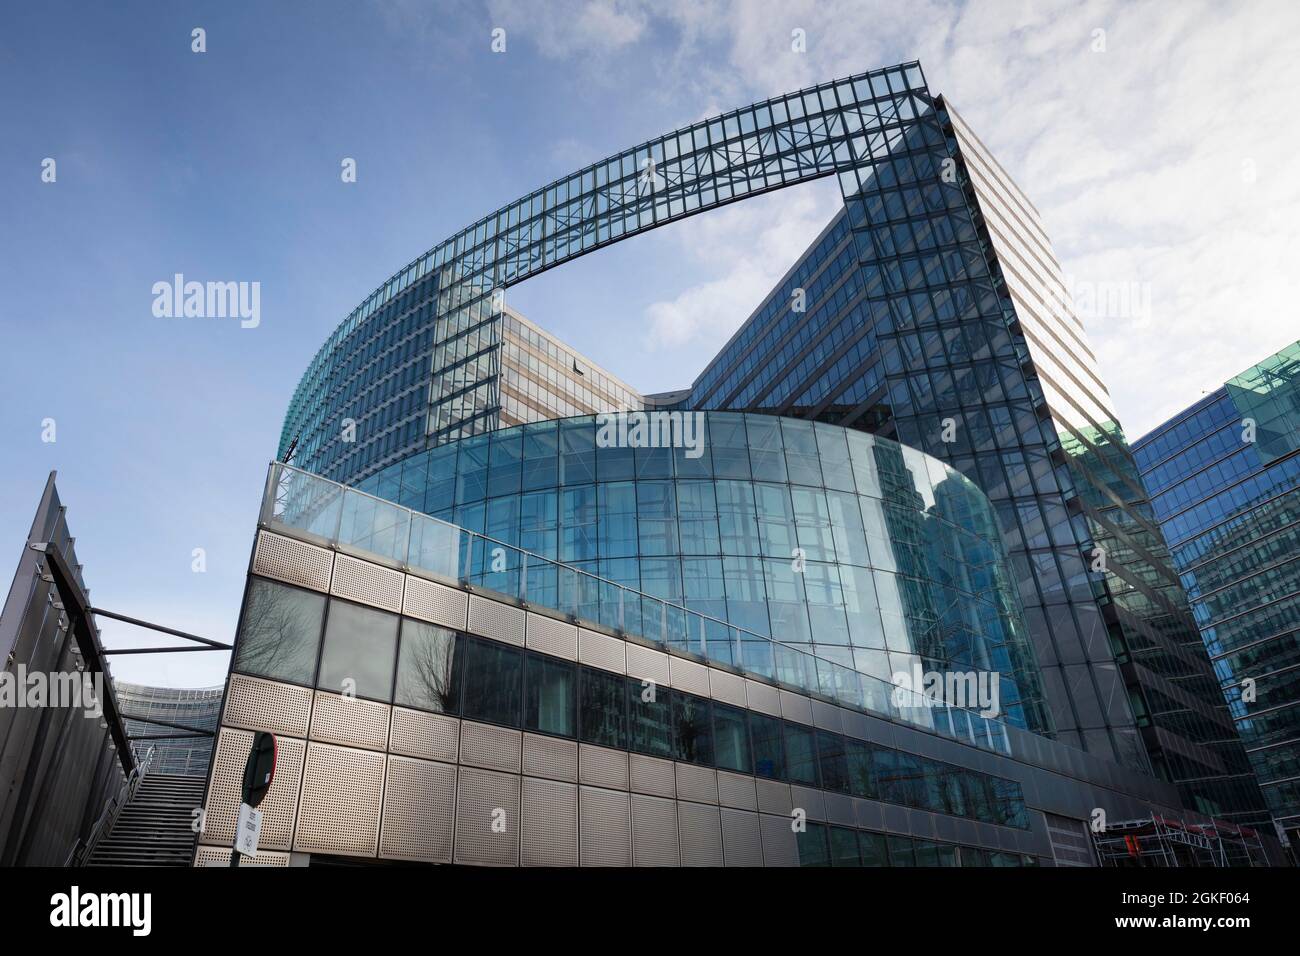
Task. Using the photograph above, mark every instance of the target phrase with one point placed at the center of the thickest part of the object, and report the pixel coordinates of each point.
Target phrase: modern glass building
(1224, 479)
(803, 547)
(195, 707)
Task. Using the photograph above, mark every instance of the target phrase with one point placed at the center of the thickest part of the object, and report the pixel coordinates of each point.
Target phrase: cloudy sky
(1151, 136)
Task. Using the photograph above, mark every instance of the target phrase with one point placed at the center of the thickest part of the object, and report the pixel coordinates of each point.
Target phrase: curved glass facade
(868, 553)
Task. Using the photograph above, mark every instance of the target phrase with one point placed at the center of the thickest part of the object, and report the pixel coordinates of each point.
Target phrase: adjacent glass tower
(1224, 478)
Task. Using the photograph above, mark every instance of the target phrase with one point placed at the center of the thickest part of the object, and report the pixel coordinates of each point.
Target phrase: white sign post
(248, 830)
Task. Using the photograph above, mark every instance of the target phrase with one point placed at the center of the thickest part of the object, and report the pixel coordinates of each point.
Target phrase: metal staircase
(155, 827)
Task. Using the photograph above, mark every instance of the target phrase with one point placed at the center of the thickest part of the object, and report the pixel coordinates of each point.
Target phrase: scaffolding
(1164, 842)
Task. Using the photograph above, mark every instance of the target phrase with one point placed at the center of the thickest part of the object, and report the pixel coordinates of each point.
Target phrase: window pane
(360, 650)
(280, 634)
(731, 739)
(862, 780)
(900, 851)
(425, 667)
(493, 683)
(812, 846)
(650, 718)
(769, 752)
(801, 757)
(872, 846)
(549, 696)
(693, 729)
(835, 770)
(602, 708)
(844, 847)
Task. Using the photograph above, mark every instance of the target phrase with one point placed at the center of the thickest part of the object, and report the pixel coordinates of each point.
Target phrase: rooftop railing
(336, 516)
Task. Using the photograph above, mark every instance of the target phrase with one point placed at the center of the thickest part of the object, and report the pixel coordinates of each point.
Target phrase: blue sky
(1161, 159)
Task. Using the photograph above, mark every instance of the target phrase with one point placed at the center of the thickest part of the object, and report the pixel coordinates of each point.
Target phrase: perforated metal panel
(350, 721)
(549, 636)
(654, 831)
(827, 716)
(257, 704)
(780, 845)
(600, 650)
(652, 775)
(367, 583)
(808, 800)
(225, 789)
(419, 810)
(495, 748)
(294, 561)
(690, 676)
(416, 733)
(796, 707)
(501, 622)
(342, 793)
(700, 833)
(550, 823)
(741, 843)
(487, 818)
(605, 827)
(736, 790)
(435, 603)
(220, 856)
(647, 664)
(839, 809)
(551, 757)
(763, 698)
(697, 783)
(728, 688)
(773, 796)
(602, 767)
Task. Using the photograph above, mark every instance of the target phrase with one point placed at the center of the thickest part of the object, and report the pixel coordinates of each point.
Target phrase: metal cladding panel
(367, 583)
(342, 797)
(736, 790)
(796, 707)
(553, 637)
(494, 748)
(652, 775)
(417, 733)
(690, 676)
(741, 843)
(602, 767)
(220, 856)
(869, 816)
(501, 622)
(808, 800)
(647, 664)
(350, 721)
(294, 561)
(839, 809)
(827, 716)
(654, 831)
(605, 827)
(550, 823)
(419, 810)
(697, 783)
(225, 790)
(728, 688)
(487, 818)
(551, 757)
(780, 845)
(855, 724)
(700, 831)
(435, 603)
(600, 650)
(257, 704)
(763, 698)
(773, 796)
